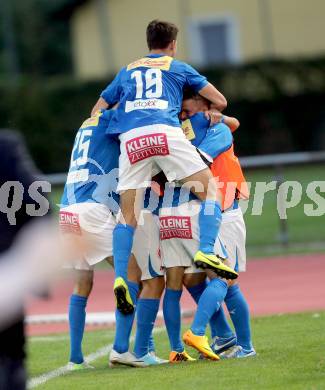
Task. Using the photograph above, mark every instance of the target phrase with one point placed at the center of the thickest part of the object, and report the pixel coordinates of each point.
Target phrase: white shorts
(233, 235)
(179, 235)
(147, 150)
(146, 247)
(94, 224)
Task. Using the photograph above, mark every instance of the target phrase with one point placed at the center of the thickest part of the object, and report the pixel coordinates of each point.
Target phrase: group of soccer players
(153, 188)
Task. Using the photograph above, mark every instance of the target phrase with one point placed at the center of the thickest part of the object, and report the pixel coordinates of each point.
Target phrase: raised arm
(101, 104)
(216, 98)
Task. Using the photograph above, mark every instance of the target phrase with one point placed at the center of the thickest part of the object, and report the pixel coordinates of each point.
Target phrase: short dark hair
(189, 93)
(160, 34)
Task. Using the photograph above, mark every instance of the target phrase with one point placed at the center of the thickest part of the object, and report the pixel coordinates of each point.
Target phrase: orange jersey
(226, 168)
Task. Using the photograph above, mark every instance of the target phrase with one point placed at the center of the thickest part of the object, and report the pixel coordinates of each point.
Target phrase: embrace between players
(160, 197)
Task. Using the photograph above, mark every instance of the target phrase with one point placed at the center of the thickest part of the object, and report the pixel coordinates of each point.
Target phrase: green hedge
(48, 114)
(279, 104)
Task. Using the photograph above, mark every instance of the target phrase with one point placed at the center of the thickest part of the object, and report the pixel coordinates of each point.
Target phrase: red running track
(272, 286)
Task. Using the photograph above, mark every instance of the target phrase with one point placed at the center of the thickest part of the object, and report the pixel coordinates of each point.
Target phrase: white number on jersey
(153, 83)
(81, 145)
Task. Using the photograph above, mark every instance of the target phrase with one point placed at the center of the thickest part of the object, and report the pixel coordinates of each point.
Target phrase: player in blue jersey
(88, 208)
(149, 93)
(216, 141)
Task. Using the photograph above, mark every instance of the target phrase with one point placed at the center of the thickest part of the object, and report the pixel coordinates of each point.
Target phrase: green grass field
(306, 234)
(291, 355)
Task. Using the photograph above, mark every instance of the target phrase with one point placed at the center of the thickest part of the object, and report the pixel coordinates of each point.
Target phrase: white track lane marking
(40, 380)
(43, 339)
(92, 318)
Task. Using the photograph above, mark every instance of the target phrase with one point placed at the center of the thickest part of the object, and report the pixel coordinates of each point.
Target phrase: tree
(39, 43)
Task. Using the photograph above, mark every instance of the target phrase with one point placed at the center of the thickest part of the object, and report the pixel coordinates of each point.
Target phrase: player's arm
(231, 122)
(201, 85)
(215, 97)
(217, 117)
(218, 139)
(101, 104)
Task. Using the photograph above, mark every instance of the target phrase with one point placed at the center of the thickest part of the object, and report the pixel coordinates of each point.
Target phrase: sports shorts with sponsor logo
(179, 237)
(93, 224)
(147, 150)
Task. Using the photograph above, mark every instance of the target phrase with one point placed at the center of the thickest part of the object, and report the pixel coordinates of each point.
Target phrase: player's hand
(213, 116)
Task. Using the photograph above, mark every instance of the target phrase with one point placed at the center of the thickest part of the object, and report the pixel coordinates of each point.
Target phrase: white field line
(92, 318)
(43, 339)
(40, 380)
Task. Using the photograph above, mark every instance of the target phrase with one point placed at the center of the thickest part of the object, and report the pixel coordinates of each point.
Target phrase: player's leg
(83, 274)
(233, 234)
(172, 314)
(210, 217)
(77, 315)
(179, 242)
(134, 176)
(172, 309)
(147, 266)
(147, 253)
(221, 332)
(147, 310)
(240, 316)
(184, 164)
(209, 302)
(120, 354)
(122, 245)
(131, 203)
(124, 322)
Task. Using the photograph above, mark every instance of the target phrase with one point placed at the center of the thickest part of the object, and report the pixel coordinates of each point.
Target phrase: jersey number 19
(153, 83)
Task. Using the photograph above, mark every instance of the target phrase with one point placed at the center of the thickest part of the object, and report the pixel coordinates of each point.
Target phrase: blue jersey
(212, 140)
(93, 172)
(149, 91)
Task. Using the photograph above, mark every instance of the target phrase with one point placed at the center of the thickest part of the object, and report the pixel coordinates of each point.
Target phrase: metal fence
(267, 161)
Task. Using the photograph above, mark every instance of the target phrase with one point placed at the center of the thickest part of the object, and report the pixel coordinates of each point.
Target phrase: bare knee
(202, 184)
(191, 280)
(134, 271)
(153, 288)
(174, 278)
(131, 202)
(83, 283)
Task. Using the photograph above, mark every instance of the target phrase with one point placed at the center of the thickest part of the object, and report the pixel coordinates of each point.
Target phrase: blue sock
(239, 313)
(209, 303)
(147, 310)
(124, 323)
(122, 246)
(151, 345)
(172, 317)
(218, 322)
(77, 317)
(209, 223)
(220, 326)
(196, 291)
